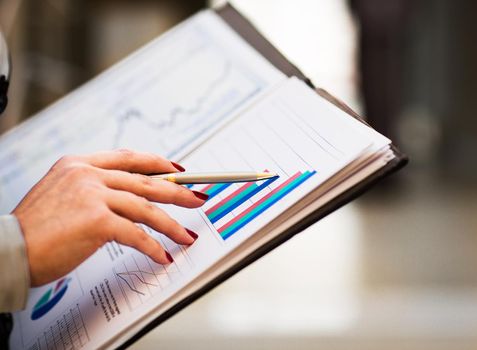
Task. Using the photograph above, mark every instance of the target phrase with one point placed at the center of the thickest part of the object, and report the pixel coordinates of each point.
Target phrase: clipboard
(250, 34)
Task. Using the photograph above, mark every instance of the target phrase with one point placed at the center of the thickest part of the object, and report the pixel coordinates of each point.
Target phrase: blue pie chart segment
(50, 298)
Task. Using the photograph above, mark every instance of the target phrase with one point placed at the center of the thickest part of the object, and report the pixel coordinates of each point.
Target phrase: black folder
(250, 34)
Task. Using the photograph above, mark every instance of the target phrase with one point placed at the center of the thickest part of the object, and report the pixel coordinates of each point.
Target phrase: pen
(217, 177)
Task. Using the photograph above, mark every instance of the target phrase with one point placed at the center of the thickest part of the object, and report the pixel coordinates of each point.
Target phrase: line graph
(120, 275)
(159, 100)
(171, 113)
(139, 275)
(139, 278)
(169, 119)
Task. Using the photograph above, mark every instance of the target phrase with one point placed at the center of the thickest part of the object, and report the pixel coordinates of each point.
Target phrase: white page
(161, 99)
(119, 286)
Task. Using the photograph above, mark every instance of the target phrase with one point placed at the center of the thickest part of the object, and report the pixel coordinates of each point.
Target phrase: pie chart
(51, 297)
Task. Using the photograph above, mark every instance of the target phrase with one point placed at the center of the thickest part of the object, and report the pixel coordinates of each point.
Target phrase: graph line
(136, 274)
(175, 113)
(129, 285)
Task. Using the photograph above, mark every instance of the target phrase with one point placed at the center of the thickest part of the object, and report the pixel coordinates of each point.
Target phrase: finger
(125, 232)
(154, 190)
(140, 210)
(135, 162)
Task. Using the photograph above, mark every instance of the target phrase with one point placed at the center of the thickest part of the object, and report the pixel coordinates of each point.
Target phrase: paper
(161, 99)
(119, 286)
(202, 96)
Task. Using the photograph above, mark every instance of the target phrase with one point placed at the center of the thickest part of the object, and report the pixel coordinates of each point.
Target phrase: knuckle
(140, 202)
(100, 218)
(149, 205)
(145, 180)
(78, 171)
(131, 198)
(65, 161)
(142, 237)
(88, 189)
(100, 215)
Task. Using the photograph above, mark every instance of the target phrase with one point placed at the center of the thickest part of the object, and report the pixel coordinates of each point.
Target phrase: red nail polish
(178, 166)
(201, 195)
(192, 234)
(169, 257)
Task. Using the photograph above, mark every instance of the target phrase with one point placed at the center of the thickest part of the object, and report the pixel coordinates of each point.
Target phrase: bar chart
(287, 140)
(252, 195)
(67, 332)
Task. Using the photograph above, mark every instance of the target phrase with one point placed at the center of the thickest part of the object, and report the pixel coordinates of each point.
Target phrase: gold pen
(210, 178)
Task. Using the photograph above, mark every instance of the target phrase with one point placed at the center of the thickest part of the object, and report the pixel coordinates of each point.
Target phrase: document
(200, 95)
(118, 285)
(161, 99)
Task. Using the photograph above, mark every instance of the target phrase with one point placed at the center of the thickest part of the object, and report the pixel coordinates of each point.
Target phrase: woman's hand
(85, 201)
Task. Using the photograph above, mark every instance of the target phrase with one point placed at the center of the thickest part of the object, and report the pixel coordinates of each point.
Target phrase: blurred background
(396, 269)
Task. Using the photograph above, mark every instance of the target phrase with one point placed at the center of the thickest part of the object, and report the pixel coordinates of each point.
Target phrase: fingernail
(192, 234)
(178, 166)
(201, 195)
(169, 257)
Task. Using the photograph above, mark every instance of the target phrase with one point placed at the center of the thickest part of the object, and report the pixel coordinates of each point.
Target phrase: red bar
(206, 188)
(256, 204)
(230, 196)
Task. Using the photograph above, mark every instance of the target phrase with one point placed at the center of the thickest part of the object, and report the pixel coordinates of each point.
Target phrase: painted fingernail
(201, 195)
(169, 257)
(192, 234)
(178, 166)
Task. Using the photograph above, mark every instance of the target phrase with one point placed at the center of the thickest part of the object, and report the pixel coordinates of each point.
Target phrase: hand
(85, 201)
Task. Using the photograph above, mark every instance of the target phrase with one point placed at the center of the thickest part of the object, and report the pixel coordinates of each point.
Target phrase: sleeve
(14, 268)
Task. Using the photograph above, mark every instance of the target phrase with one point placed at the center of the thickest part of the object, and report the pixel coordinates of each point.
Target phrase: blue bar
(232, 204)
(216, 189)
(261, 209)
